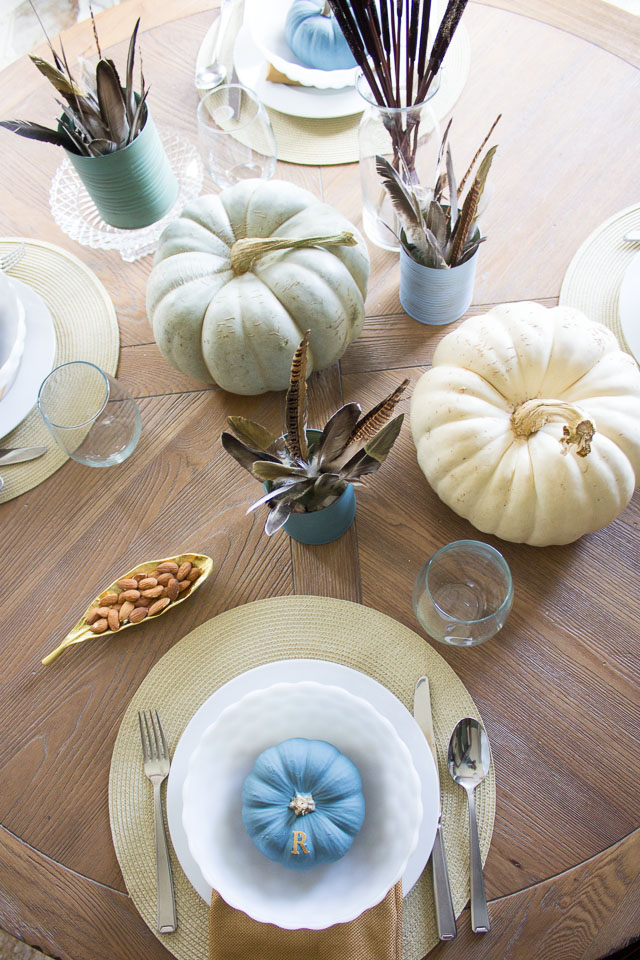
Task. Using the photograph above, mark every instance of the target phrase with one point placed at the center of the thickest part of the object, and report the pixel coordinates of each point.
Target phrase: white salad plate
(212, 816)
(295, 671)
(37, 359)
(629, 306)
(308, 102)
(267, 25)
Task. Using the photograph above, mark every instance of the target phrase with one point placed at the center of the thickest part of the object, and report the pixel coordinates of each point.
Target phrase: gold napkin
(374, 935)
(275, 76)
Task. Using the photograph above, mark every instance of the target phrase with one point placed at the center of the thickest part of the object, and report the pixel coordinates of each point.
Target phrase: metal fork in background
(156, 767)
(12, 258)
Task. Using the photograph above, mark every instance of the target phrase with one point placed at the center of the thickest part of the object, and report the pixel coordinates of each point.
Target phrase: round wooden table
(558, 688)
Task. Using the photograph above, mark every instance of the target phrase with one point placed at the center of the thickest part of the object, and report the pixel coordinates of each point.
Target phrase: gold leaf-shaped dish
(82, 630)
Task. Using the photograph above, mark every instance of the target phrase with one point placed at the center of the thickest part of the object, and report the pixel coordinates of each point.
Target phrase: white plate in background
(629, 306)
(37, 359)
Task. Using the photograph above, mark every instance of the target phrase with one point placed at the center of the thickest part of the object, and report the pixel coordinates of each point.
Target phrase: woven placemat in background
(86, 329)
(249, 636)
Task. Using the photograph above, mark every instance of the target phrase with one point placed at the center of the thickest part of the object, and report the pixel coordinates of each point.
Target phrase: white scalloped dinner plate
(329, 893)
(308, 102)
(291, 671)
(266, 22)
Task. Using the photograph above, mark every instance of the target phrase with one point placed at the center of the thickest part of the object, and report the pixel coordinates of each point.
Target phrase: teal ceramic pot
(132, 187)
(323, 526)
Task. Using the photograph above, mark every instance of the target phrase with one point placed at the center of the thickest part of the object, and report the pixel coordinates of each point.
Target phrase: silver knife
(19, 454)
(445, 917)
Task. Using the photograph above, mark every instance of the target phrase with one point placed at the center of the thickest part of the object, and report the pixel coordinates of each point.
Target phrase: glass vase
(409, 138)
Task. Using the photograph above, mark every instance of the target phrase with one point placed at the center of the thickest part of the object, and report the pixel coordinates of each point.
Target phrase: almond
(131, 595)
(173, 589)
(113, 619)
(139, 576)
(152, 591)
(125, 610)
(103, 611)
(99, 626)
(194, 573)
(147, 583)
(142, 602)
(108, 600)
(184, 585)
(158, 606)
(128, 583)
(168, 567)
(138, 614)
(163, 578)
(183, 570)
(93, 615)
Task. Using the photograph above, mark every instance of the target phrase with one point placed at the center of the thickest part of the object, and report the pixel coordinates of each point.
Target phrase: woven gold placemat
(593, 279)
(86, 329)
(335, 140)
(278, 629)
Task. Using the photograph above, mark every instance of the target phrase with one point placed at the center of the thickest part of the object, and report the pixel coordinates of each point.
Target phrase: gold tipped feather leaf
(62, 84)
(82, 630)
(253, 434)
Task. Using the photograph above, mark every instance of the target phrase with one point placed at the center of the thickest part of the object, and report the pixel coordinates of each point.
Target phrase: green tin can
(132, 187)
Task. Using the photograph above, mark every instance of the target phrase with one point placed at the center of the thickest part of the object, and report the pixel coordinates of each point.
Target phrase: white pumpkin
(528, 424)
(222, 315)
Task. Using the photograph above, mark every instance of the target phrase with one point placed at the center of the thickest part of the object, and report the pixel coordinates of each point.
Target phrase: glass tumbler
(89, 414)
(235, 135)
(463, 595)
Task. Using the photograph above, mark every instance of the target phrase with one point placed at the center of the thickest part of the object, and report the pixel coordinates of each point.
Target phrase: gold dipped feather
(296, 404)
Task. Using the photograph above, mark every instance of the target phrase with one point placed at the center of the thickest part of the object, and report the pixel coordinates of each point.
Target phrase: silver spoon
(469, 759)
(215, 72)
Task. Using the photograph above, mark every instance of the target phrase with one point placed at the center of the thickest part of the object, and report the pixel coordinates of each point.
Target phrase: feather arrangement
(303, 474)
(442, 233)
(101, 119)
(390, 42)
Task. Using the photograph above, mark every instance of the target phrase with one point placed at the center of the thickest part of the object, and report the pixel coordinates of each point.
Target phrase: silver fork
(12, 258)
(156, 767)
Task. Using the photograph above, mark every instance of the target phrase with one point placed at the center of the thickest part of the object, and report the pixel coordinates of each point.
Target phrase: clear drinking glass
(235, 135)
(463, 595)
(89, 414)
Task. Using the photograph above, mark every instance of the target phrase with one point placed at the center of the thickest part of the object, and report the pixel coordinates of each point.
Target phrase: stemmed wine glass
(235, 135)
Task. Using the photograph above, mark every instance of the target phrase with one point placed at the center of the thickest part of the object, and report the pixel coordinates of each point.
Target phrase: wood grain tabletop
(558, 688)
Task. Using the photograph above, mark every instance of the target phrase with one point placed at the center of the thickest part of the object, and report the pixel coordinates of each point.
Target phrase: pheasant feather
(296, 414)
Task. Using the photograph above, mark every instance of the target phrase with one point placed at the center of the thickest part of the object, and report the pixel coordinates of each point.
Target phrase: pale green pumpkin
(236, 320)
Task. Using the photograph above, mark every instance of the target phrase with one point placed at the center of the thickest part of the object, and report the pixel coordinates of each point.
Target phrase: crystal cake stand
(75, 212)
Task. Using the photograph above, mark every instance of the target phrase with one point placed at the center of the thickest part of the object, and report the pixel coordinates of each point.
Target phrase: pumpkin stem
(302, 804)
(244, 253)
(326, 10)
(532, 415)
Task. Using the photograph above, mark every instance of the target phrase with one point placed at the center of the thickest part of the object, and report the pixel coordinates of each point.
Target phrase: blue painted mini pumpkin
(314, 35)
(302, 803)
